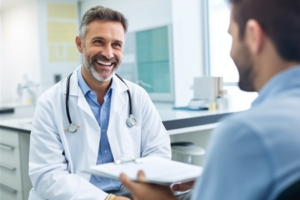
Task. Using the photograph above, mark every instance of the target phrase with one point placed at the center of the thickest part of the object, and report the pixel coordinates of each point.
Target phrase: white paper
(157, 170)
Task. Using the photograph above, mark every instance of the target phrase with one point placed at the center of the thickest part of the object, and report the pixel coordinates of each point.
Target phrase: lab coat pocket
(131, 139)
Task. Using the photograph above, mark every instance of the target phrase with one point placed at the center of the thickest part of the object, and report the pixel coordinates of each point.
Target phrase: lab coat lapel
(82, 103)
(73, 84)
(76, 91)
(117, 102)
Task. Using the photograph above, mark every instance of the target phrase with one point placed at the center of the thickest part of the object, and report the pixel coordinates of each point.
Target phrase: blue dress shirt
(256, 154)
(101, 113)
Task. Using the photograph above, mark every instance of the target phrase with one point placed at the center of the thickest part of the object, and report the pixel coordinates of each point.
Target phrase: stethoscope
(131, 121)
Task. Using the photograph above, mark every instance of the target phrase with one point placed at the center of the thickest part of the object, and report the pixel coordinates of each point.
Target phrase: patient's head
(266, 39)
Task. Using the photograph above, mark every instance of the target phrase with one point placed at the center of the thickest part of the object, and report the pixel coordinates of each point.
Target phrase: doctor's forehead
(105, 29)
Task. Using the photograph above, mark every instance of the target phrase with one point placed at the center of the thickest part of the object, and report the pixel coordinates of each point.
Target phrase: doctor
(87, 120)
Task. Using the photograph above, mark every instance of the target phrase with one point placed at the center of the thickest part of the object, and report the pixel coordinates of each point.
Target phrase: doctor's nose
(108, 52)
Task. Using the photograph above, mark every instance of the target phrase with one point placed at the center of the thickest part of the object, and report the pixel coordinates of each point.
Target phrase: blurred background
(178, 51)
(169, 42)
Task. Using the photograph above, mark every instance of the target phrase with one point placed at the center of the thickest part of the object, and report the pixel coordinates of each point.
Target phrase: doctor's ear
(79, 43)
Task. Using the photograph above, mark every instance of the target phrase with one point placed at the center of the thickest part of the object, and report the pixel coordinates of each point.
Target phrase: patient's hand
(146, 191)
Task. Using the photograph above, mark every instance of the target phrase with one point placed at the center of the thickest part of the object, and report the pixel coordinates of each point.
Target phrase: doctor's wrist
(110, 197)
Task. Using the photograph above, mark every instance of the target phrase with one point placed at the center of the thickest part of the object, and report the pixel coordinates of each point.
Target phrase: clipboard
(158, 170)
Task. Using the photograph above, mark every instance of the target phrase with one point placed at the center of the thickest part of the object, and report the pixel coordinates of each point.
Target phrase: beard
(245, 67)
(92, 69)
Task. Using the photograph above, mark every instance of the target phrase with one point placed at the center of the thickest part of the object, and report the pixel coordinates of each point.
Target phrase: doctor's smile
(102, 63)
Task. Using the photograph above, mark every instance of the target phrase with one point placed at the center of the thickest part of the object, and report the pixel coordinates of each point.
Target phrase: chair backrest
(291, 193)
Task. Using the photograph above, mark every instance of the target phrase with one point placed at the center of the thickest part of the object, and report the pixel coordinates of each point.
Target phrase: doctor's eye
(118, 45)
(98, 42)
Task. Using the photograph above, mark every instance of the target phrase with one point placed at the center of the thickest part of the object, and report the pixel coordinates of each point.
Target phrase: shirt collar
(85, 88)
(281, 82)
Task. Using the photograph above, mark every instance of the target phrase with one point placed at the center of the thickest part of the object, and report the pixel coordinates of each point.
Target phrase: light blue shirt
(255, 154)
(101, 113)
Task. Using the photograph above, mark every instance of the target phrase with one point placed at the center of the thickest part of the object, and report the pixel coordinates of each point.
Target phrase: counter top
(175, 121)
(21, 125)
(15, 105)
(180, 121)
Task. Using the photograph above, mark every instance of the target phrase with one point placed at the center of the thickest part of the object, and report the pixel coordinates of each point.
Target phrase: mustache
(113, 60)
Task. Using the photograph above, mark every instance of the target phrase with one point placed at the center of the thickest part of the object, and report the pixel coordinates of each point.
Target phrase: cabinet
(14, 156)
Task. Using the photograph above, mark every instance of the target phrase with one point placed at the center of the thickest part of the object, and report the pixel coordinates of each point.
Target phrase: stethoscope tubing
(131, 121)
(67, 99)
(129, 95)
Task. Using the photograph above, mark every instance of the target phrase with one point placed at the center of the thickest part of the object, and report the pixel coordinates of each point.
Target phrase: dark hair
(280, 20)
(102, 13)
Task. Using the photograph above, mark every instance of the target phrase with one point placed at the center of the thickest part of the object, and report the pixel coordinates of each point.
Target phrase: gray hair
(102, 13)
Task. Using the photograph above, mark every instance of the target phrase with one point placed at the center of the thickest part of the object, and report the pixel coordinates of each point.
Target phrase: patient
(253, 155)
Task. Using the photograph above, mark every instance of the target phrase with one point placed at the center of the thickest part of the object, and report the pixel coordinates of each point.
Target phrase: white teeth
(103, 63)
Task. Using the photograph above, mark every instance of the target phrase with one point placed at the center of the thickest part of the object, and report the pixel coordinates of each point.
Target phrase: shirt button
(105, 151)
(103, 130)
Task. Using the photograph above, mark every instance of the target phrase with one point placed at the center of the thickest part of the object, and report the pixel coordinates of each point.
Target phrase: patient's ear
(254, 36)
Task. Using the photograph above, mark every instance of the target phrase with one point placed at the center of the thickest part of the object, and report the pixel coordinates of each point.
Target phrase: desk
(175, 121)
(182, 121)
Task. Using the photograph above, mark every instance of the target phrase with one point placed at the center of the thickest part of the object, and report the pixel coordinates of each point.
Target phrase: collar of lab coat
(118, 86)
(117, 100)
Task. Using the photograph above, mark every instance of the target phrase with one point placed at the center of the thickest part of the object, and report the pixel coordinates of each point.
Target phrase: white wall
(187, 48)
(19, 48)
(0, 54)
(48, 68)
(24, 48)
(141, 15)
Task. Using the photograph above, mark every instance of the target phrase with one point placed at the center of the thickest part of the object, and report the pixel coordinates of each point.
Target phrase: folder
(157, 170)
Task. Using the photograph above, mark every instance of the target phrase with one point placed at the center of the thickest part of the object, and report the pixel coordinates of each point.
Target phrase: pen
(136, 160)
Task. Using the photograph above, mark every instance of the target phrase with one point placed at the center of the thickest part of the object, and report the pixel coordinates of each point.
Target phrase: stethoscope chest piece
(72, 128)
(131, 121)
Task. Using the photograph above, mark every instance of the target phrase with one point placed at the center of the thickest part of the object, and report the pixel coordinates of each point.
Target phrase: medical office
(169, 43)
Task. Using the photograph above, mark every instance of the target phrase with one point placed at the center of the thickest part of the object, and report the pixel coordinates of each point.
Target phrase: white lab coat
(51, 176)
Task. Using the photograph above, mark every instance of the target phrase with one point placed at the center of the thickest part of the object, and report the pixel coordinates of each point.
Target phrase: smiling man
(93, 117)
(254, 155)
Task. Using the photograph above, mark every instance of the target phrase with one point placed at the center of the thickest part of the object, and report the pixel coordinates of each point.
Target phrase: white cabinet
(14, 155)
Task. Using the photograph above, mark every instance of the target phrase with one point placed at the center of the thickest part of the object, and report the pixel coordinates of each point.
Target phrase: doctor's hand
(146, 191)
(121, 198)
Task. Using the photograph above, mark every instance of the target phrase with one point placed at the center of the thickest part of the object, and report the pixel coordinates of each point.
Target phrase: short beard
(246, 80)
(245, 67)
(93, 72)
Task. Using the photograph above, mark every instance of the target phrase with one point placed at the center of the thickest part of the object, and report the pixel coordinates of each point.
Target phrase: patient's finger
(127, 182)
(141, 176)
(183, 186)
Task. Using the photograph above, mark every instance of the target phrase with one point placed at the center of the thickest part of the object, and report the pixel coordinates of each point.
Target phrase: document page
(157, 170)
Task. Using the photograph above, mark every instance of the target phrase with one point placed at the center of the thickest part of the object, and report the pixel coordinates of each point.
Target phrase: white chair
(187, 150)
